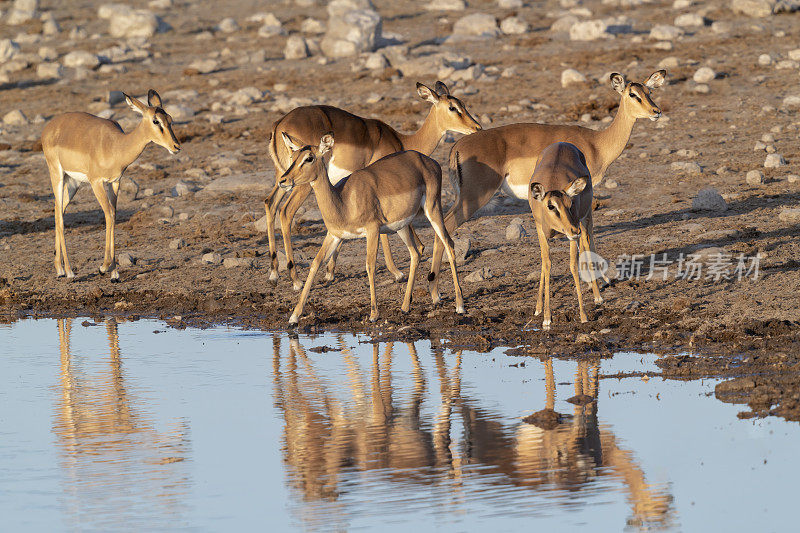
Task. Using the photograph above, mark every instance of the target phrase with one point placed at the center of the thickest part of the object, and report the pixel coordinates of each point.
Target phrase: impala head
(636, 96)
(556, 206)
(450, 113)
(156, 121)
(307, 164)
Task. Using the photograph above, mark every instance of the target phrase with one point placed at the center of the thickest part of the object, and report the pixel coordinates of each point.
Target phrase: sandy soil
(741, 328)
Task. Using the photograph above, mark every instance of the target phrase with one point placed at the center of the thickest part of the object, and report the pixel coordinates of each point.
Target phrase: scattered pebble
(709, 199)
(754, 177)
(704, 75)
(212, 258)
(774, 161)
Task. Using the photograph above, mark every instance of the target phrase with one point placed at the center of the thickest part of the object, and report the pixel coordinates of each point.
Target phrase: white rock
(125, 259)
(212, 258)
(351, 30)
(589, 30)
(509, 4)
(515, 231)
(180, 113)
(49, 71)
(571, 76)
(48, 53)
(228, 25)
(22, 11)
(704, 75)
(774, 161)
(768, 138)
(313, 26)
(765, 60)
(687, 168)
(233, 262)
(446, 5)
(753, 8)
(81, 58)
(15, 118)
(271, 26)
(787, 64)
(721, 27)
(296, 48)
(514, 26)
(479, 275)
(125, 21)
(610, 183)
(204, 66)
(689, 20)
(177, 244)
(8, 49)
(794, 54)
(669, 63)
(754, 177)
(789, 214)
(376, 61)
(50, 24)
(563, 24)
(665, 32)
(792, 101)
(476, 25)
(792, 178)
(709, 199)
(183, 188)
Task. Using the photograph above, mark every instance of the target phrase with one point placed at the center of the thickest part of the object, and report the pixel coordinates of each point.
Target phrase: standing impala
(360, 142)
(561, 202)
(82, 148)
(485, 161)
(383, 197)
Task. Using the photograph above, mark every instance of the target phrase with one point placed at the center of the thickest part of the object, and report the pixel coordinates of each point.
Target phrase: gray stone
(689, 20)
(571, 76)
(212, 258)
(22, 11)
(164, 211)
(774, 161)
(704, 75)
(754, 177)
(789, 214)
(476, 25)
(296, 48)
(15, 118)
(376, 61)
(313, 26)
(233, 262)
(184, 188)
(589, 30)
(49, 71)
(709, 199)
(563, 24)
(753, 8)
(461, 248)
(514, 26)
(81, 58)
(610, 183)
(125, 21)
(125, 259)
(515, 231)
(665, 32)
(687, 167)
(261, 224)
(228, 25)
(204, 66)
(270, 26)
(792, 101)
(177, 244)
(479, 275)
(354, 27)
(50, 24)
(8, 49)
(721, 27)
(130, 187)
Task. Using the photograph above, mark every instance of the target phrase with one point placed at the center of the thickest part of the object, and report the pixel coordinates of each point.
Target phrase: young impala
(561, 202)
(360, 142)
(485, 161)
(385, 196)
(82, 148)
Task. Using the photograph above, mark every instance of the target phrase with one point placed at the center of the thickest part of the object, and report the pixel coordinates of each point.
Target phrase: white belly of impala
(400, 224)
(360, 233)
(77, 176)
(519, 191)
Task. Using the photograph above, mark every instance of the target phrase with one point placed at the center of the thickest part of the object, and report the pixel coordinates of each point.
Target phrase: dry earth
(745, 329)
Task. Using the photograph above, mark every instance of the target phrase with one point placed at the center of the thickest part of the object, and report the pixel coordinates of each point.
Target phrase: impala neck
(612, 140)
(426, 138)
(328, 198)
(130, 145)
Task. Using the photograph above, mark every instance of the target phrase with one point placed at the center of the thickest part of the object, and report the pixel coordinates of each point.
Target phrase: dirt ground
(743, 329)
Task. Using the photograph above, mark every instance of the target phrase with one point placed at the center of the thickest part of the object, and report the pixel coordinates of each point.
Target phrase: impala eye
(155, 121)
(551, 207)
(309, 159)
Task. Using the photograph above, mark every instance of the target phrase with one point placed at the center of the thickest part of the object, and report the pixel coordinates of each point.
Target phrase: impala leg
(387, 255)
(287, 212)
(420, 244)
(112, 192)
(332, 265)
(99, 189)
(372, 256)
(585, 246)
(544, 279)
(573, 267)
(57, 182)
(589, 221)
(443, 240)
(407, 237)
(328, 246)
(271, 204)
(451, 221)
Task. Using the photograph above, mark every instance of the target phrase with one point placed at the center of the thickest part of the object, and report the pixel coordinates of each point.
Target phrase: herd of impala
(370, 180)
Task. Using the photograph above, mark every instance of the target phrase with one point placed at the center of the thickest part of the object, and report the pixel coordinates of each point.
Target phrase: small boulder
(177, 244)
(476, 25)
(212, 258)
(479, 275)
(514, 26)
(571, 76)
(81, 59)
(704, 75)
(789, 214)
(774, 161)
(589, 30)
(665, 32)
(754, 177)
(125, 259)
(709, 199)
(15, 118)
(296, 48)
(515, 231)
(228, 25)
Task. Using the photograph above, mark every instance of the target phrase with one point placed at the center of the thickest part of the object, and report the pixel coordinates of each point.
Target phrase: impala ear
(537, 191)
(656, 79)
(441, 89)
(578, 185)
(325, 144)
(153, 99)
(135, 104)
(426, 93)
(290, 142)
(618, 82)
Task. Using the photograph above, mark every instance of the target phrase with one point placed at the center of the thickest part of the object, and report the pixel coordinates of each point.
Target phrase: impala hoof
(598, 300)
(70, 274)
(115, 276)
(373, 318)
(546, 325)
(293, 320)
(460, 310)
(273, 275)
(297, 285)
(328, 276)
(537, 312)
(400, 277)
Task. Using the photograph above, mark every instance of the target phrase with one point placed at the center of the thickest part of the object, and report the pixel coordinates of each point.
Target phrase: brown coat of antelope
(385, 196)
(360, 142)
(560, 197)
(82, 148)
(503, 157)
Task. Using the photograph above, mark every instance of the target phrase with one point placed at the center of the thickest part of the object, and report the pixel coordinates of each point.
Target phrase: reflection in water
(336, 435)
(117, 469)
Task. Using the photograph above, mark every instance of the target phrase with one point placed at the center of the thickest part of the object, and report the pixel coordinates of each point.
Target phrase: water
(114, 426)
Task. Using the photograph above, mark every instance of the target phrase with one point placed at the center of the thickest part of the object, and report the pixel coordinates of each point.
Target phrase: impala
(385, 196)
(360, 142)
(561, 202)
(82, 148)
(485, 161)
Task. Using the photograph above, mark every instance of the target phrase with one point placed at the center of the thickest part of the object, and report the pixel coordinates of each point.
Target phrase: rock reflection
(117, 467)
(333, 431)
